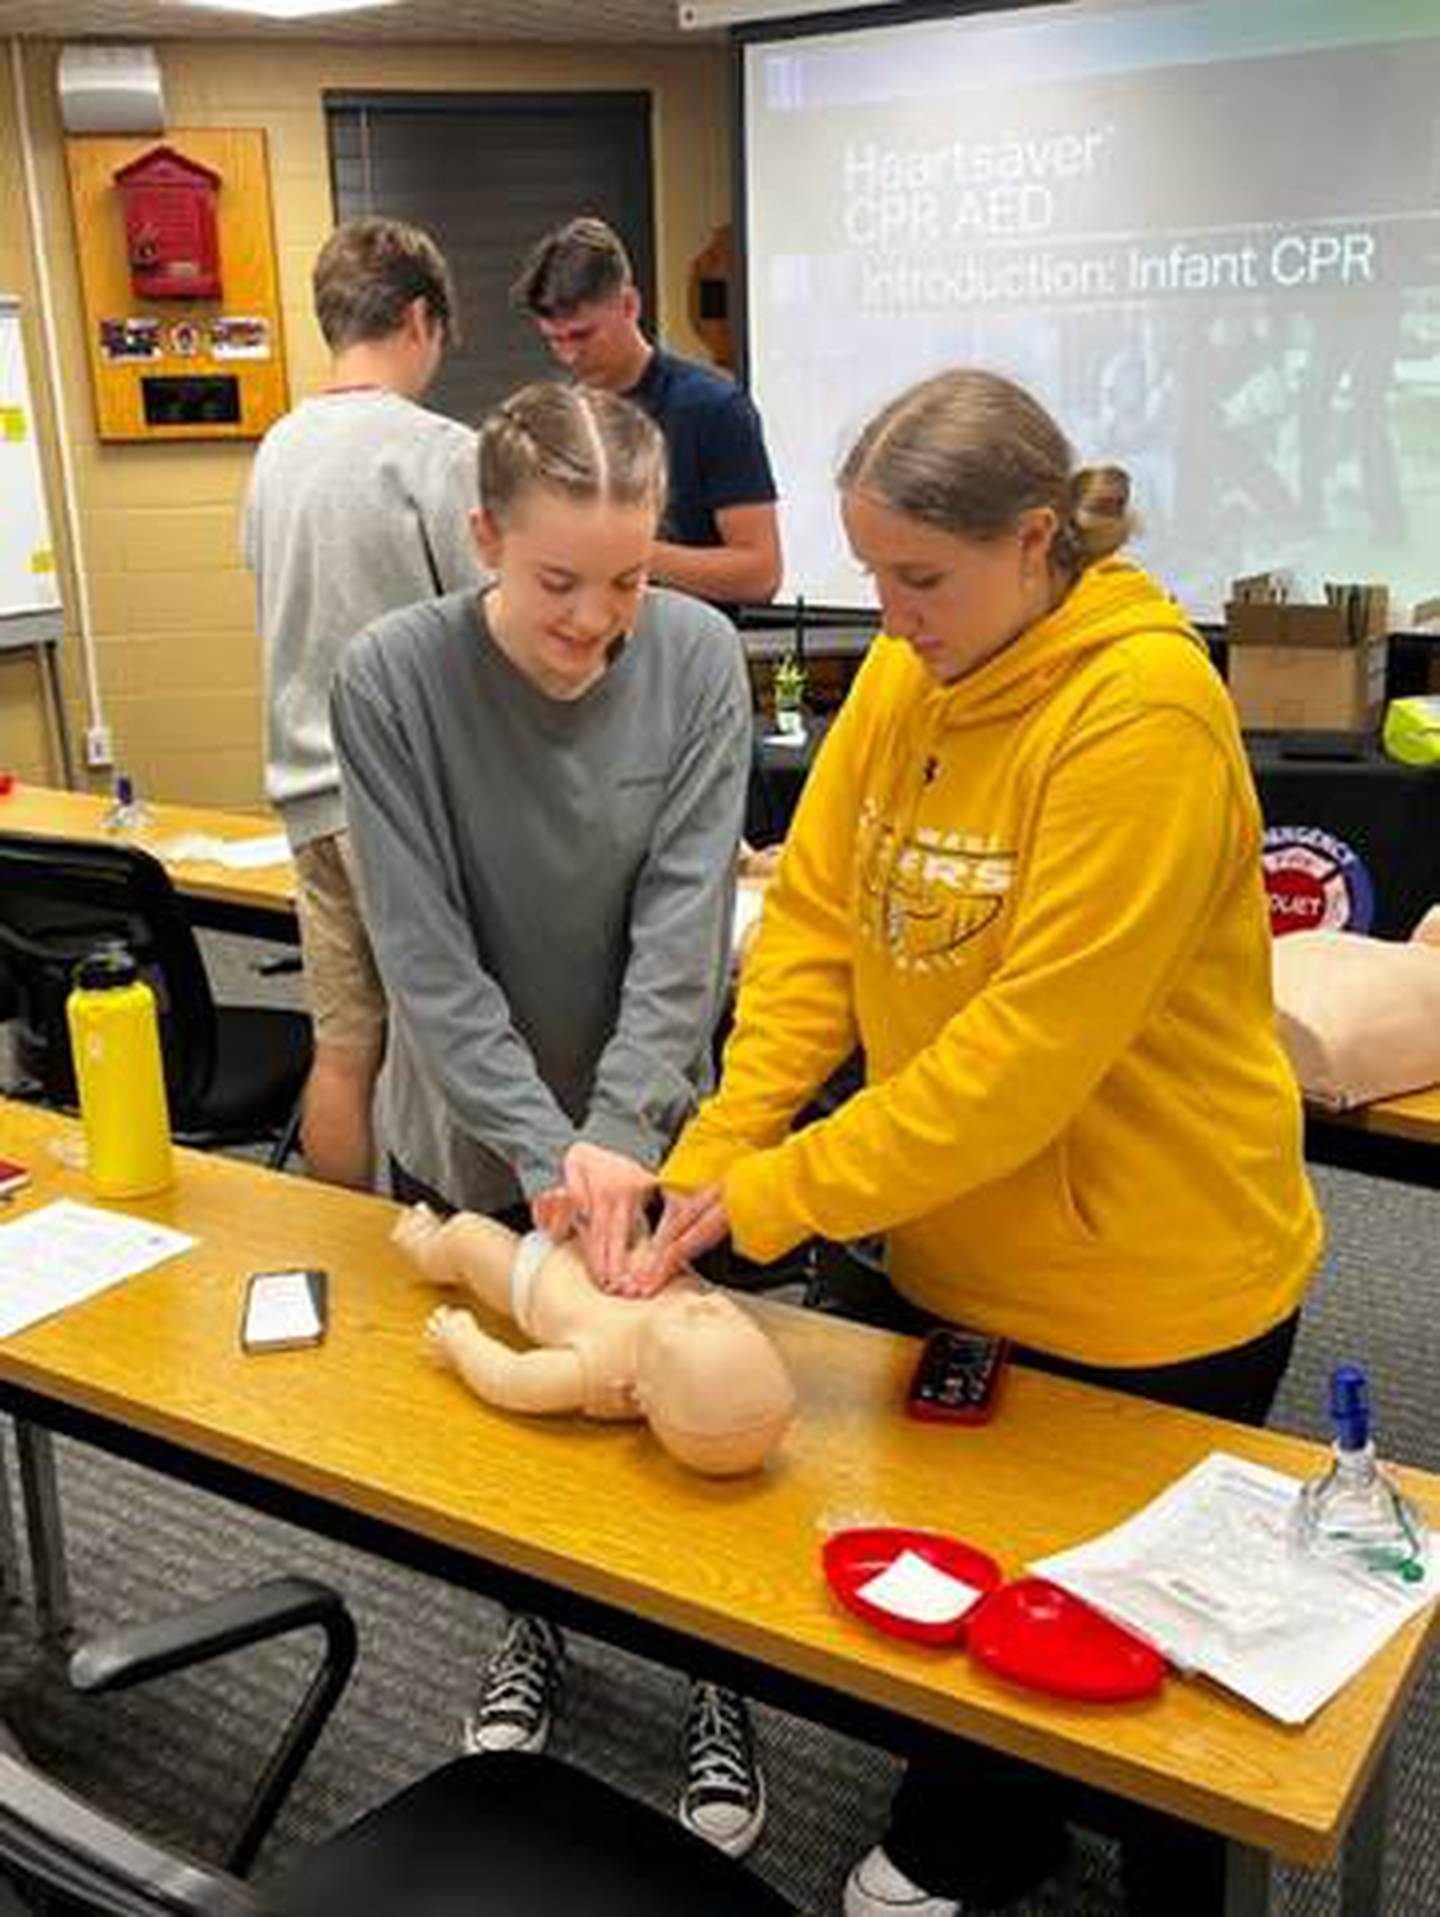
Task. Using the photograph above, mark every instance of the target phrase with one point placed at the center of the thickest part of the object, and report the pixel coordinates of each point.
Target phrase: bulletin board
(29, 583)
(165, 369)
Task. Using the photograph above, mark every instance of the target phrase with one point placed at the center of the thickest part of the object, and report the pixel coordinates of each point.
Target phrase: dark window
(486, 174)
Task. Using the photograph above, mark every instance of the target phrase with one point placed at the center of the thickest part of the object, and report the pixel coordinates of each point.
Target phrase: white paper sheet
(1209, 1574)
(65, 1253)
(238, 855)
(911, 1586)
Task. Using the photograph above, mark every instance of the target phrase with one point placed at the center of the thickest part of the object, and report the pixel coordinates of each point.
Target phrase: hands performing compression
(602, 1202)
(692, 1222)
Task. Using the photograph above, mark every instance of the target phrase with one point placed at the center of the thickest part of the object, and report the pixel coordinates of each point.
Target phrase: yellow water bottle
(115, 1042)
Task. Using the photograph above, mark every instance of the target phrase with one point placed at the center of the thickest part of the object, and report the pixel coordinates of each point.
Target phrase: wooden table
(1393, 1138)
(1415, 1116)
(259, 902)
(364, 1440)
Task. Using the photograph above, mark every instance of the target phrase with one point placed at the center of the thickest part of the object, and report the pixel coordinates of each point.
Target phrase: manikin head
(712, 1386)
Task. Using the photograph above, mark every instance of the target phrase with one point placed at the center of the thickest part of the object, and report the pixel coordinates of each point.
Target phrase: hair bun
(1100, 511)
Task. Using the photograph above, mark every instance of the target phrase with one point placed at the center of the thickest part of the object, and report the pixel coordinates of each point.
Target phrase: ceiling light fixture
(283, 9)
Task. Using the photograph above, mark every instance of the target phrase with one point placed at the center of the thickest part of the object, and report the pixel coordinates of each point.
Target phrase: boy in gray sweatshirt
(359, 502)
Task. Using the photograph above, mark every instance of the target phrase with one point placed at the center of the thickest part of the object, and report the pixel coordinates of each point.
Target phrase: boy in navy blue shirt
(720, 539)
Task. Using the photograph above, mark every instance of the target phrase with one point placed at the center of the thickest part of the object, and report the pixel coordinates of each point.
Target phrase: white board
(29, 579)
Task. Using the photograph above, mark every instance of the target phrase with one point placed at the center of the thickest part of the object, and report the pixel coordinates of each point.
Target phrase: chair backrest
(59, 899)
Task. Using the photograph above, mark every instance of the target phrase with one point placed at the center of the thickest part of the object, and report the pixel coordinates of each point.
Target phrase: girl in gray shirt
(545, 787)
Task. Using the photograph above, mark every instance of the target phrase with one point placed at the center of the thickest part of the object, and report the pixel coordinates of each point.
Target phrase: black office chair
(500, 1835)
(68, 1859)
(233, 1072)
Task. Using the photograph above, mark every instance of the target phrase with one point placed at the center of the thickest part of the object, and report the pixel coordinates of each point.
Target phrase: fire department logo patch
(1315, 881)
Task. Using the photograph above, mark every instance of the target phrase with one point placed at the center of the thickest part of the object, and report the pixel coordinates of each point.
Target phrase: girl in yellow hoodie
(1024, 879)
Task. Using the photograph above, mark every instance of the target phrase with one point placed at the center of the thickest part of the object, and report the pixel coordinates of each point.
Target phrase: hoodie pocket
(1024, 1222)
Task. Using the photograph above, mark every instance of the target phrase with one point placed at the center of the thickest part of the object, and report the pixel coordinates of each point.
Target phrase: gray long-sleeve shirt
(548, 885)
(359, 502)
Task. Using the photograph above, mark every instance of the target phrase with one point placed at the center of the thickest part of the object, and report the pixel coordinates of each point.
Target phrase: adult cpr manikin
(1360, 1017)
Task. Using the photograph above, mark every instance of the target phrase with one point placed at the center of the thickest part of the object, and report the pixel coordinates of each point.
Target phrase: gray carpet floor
(180, 1755)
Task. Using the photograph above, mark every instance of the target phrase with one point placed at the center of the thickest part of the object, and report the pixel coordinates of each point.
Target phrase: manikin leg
(471, 1252)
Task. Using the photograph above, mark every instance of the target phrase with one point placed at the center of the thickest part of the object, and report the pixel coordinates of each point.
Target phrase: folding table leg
(1247, 1881)
(1362, 1863)
(9, 1546)
(44, 1529)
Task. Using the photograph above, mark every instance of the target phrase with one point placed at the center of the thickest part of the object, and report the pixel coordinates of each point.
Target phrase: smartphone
(958, 1376)
(13, 1177)
(284, 1310)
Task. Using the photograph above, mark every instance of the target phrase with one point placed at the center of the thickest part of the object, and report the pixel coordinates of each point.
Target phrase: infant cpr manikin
(690, 1361)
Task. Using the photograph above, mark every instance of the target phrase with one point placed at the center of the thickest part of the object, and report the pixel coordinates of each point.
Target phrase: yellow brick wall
(178, 660)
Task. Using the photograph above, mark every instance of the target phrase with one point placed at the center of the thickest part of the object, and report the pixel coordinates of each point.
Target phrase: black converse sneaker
(724, 1796)
(517, 1689)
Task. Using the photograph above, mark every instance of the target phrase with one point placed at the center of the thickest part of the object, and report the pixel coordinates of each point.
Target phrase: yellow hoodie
(1033, 898)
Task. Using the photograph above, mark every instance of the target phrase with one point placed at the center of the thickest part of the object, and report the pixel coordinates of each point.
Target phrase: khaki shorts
(342, 985)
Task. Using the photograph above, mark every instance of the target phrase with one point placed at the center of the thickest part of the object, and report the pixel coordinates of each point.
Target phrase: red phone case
(932, 1410)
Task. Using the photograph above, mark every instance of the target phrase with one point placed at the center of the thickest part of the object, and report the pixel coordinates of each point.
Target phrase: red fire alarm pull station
(171, 232)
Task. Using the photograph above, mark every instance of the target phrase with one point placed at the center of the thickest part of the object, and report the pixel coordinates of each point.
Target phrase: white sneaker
(517, 1690)
(875, 1888)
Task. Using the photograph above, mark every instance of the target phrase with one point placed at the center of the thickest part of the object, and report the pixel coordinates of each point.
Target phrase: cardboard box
(1300, 668)
(1294, 688)
(1287, 625)
(1426, 619)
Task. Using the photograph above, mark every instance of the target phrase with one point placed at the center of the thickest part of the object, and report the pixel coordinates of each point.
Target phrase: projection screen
(1207, 235)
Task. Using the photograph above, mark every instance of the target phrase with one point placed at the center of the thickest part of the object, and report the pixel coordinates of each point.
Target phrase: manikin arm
(536, 1381)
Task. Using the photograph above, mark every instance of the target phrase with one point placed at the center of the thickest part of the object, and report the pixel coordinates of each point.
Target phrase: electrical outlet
(99, 748)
